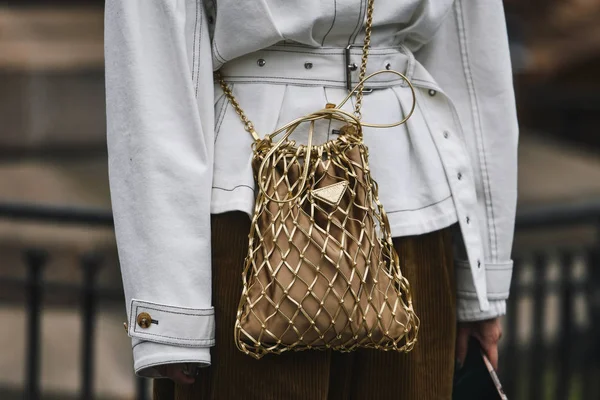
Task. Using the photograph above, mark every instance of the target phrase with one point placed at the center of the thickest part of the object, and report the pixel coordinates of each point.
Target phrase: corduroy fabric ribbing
(425, 373)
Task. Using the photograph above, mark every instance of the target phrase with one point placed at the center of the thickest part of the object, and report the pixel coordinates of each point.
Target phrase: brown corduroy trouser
(423, 374)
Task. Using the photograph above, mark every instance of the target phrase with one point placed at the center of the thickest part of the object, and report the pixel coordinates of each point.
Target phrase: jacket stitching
(222, 118)
(472, 292)
(372, 53)
(421, 208)
(423, 81)
(201, 343)
(131, 317)
(304, 79)
(214, 42)
(234, 188)
(137, 344)
(198, 341)
(473, 295)
(208, 313)
(218, 98)
(194, 47)
(332, 23)
(330, 83)
(353, 103)
(299, 84)
(219, 56)
(330, 121)
(358, 27)
(216, 52)
(477, 124)
(488, 266)
(281, 106)
(139, 302)
(308, 47)
(410, 63)
(199, 44)
(491, 268)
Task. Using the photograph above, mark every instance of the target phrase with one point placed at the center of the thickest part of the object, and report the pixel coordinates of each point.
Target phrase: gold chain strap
(363, 64)
(249, 126)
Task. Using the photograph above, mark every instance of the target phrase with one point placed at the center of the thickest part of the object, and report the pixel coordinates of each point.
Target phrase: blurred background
(61, 301)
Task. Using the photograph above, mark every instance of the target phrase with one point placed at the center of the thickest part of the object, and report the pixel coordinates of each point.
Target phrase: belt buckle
(349, 67)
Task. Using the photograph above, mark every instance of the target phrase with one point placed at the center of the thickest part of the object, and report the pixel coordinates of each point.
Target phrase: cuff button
(144, 320)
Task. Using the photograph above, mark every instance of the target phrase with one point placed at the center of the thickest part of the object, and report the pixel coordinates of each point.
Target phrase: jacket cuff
(187, 327)
(498, 277)
(468, 310)
(164, 334)
(148, 355)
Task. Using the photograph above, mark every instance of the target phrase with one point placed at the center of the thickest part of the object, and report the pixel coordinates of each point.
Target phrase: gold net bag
(321, 270)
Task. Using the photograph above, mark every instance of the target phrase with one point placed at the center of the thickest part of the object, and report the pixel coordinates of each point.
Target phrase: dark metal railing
(565, 365)
(56, 214)
(89, 295)
(35, 260)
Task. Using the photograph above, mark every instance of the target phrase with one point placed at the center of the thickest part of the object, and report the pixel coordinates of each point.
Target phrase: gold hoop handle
(333, 113)
(383, 71)
(289, 128)
(330, 113)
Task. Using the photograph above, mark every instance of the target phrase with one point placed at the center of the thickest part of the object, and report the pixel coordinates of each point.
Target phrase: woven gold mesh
(321, 270)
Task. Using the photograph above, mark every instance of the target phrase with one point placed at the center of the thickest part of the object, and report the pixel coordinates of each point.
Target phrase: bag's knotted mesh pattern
(321, 270)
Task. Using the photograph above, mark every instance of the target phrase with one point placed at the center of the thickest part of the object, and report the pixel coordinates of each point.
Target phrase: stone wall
(51, 75)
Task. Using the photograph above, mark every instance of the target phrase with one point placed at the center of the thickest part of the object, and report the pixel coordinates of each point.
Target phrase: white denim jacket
(178, 151)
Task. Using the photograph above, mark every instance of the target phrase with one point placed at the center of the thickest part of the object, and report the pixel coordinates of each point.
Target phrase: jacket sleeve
(469, 58)
(159, 91)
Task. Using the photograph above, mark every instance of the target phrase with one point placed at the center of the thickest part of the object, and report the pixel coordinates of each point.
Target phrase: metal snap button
(144, 320)
(446, 134)
(468, 220)
(352, 67)
(308, 65)
(432, 92)
(261, 62)
(459, 176)
(388, 66)
(478, 264)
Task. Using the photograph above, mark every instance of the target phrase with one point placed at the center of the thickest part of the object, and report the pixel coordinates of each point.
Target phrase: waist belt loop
(410, 65)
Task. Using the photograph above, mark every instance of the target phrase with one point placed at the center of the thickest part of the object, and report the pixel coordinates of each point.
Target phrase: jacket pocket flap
(172, 325)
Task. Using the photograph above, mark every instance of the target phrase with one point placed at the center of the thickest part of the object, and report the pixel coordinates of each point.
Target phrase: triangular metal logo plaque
(331, 194)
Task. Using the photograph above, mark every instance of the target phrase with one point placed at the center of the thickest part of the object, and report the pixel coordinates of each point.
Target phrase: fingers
(489, 333)
(462, 344)
(492, 353)
(178, 376)
(490, 349)
(175, 373)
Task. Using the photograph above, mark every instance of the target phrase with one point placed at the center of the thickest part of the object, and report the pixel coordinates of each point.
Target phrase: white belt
(326, 66)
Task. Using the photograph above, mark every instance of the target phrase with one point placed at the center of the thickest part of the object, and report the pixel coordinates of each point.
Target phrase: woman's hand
(488, 333)
(184, 373)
